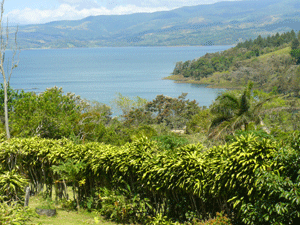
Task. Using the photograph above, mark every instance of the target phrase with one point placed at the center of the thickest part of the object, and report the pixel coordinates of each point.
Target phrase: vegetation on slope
(268, 62)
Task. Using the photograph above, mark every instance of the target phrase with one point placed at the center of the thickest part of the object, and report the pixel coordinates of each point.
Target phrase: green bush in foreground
(15, 214)
(254, 180)
(122, 207)
(12, 186)
(220, 219)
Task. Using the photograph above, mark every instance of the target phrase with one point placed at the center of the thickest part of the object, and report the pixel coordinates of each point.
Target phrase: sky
(43, 11)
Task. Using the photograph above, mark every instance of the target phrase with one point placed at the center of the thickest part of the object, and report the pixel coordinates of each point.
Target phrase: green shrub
(46, 204)
(12, 186)
(123, 209)
(15, 214)
(220, 219)
(170, 142)
(159, 219)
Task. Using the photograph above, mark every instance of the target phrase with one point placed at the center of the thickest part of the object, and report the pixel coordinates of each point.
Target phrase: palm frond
(258, 106)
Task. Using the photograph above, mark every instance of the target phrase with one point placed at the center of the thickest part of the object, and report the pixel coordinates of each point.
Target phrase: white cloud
(83, 4)
(158, 3)
(72, 1)
(78, 9)
(72, 12)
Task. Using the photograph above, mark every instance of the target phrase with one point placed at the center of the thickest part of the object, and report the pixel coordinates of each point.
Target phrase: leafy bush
(15, 214)
(220, 219)
(276, 198)
(68, 204)
(170, 142)
(295, 53)
(159, 219)
(120, 208)
(46, 204)
(12, 186)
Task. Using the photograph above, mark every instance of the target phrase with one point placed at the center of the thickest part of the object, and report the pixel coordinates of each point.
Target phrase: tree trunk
(27, 195)
(4, 39)
(6, 109)
(264, 127)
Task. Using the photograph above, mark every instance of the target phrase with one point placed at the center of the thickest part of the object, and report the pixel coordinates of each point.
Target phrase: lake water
(100, 73)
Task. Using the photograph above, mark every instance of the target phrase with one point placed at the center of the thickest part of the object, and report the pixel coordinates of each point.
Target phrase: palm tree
(234, 110)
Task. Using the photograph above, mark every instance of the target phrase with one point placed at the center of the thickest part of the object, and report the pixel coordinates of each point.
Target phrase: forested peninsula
(167, 161)
(270, 62)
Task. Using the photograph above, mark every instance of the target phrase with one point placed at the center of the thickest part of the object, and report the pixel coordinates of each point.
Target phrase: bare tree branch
(4, 39)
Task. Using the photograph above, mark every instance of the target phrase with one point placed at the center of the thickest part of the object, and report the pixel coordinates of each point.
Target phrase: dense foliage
(219, 62)
(171, 112)
(151, 175)
(228, 178)
(267, 62)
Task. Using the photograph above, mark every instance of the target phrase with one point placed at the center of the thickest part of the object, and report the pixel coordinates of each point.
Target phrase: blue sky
(42, 11)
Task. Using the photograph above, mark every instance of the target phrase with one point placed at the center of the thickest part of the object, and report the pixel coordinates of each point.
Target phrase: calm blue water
(100, 73)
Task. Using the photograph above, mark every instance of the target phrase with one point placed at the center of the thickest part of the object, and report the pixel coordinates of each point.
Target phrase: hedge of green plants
(252, 180)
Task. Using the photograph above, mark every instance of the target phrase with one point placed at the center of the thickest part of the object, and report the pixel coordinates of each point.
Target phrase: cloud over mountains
(74, 10)
(78, 9)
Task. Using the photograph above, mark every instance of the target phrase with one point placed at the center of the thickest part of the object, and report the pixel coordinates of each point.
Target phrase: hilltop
(223, 23)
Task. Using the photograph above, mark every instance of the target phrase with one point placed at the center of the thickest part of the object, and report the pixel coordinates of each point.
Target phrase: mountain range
(222, 23)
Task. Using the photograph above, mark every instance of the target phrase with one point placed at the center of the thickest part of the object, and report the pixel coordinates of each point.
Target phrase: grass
(284, 51)
(65, 217)
(182, 79)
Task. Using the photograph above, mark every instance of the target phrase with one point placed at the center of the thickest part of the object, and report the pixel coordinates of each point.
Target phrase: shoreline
(150, 46)
(180, 79)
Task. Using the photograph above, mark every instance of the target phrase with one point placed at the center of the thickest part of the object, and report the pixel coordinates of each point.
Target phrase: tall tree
(295, 53)
(50, 114)
(4, 40)
(293, 34)
(295, 44)
(233, 111)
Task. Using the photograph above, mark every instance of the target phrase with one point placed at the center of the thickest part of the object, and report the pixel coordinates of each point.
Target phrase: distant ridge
(222, 23)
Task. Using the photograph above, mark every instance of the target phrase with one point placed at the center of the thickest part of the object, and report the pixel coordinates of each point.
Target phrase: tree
(93, 120)
(178, 68)
(13, 96)
(295, 53)
(293, 35)
(4, 39)
(49, 114)
(259, 41)
(295, 44)
(295, 83)
(172, 112)
(234, 110)
(125, 104)
(200, 122)
(255, 50)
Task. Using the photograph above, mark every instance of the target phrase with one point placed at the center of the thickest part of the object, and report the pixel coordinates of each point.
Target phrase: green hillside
(267, 62)
(219, 23)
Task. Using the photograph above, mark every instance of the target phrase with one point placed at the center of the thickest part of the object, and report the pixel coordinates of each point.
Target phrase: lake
(100, 73)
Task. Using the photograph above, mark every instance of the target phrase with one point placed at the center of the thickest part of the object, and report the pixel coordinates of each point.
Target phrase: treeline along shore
(267, 62)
